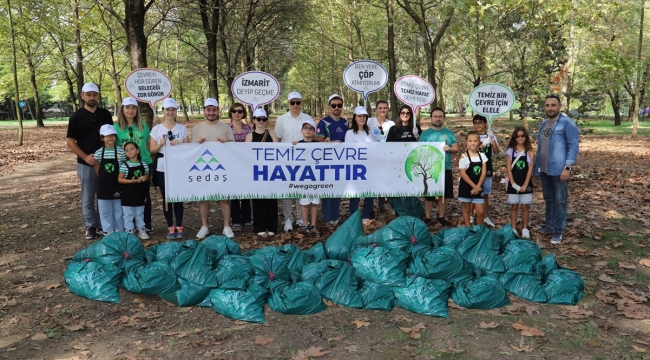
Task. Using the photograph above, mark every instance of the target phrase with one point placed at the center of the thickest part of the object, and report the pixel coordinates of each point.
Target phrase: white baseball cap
(259, 112)
(107, 129)
(334, 96)
(308, 121)
(210, 102)
(294, 95)
(360, 110)
(90, 87)
(170, 103)
(129, 101)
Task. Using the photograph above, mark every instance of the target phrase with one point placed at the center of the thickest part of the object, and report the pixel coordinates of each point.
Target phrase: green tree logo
(477, 170)
(137, 173)
(109, 168)
(520, 164)
(425, 162)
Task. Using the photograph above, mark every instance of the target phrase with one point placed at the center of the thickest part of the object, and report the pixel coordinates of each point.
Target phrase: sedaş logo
(207, 162)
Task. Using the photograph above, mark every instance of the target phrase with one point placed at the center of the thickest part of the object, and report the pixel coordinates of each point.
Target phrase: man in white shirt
(288, 129)
(213, 130)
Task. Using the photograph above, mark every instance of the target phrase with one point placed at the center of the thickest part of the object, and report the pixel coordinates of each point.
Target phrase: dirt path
(41, 228)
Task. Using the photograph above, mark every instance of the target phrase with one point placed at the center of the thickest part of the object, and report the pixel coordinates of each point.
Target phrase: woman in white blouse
(360, 132)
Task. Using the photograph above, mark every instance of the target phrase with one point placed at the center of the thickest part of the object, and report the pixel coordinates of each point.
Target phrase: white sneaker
(488, 222)
(334, 222)
(142, 234)
(228, 232)
(525, 234)
(261, 233)
(287, 225)
(203, 232)
(271, 233)
(300, 223)
(365, 221)
(471, 219)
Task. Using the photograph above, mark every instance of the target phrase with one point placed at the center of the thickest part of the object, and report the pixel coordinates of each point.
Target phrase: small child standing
(472, 167)
(309, 135)
(108, 188)
(520, 158)
(134, 177)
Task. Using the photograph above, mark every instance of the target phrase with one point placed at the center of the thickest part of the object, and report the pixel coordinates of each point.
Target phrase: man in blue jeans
(557, 150)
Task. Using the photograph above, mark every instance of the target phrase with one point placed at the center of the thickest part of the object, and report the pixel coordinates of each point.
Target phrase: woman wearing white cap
(265, 211)
(169, 133)
(129, 127)
(360, 132)
(240, 210)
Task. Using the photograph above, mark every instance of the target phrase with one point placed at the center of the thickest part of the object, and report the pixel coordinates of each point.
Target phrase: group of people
(115, 163)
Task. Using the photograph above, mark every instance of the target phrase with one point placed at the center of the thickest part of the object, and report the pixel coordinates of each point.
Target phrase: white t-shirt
(361, 136)
(373, 124)
(179, 132)
(463, 163)
(288, 127)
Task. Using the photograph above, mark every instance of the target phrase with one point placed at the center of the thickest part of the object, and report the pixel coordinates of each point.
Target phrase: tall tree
(19, 113)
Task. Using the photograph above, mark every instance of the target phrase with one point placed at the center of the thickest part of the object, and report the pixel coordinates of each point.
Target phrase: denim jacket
(562, 146)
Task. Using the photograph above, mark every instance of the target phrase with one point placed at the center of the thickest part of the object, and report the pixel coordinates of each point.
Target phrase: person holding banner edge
(489, 145)
(288, 129)
(171, 133)
(265, 211)
(129, 127)
(360, 132)
(379, 127)
(439, 133)
(240, 210)
(332, 128)
(213, 130)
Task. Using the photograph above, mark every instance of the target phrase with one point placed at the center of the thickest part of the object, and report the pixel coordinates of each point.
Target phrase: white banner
(219, 171)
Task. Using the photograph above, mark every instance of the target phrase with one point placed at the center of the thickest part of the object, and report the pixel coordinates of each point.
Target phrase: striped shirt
(109, 154)
(124, 170)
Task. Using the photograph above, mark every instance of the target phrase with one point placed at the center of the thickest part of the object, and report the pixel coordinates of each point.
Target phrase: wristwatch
(567, 168)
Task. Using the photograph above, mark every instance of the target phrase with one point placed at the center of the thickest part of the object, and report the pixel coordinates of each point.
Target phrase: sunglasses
(295, 102)
(262, 119)
(308, 128)
(405, 113)
(130, 131)
(334, 106)
(381, 129)
(170, 135)
(238, 111)
(553, 96)
(522, 136)
(478, 122)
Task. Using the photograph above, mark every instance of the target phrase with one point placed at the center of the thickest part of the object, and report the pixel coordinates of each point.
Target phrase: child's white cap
(129, 101)
(310, 122)
(170, 103)
(106, 130)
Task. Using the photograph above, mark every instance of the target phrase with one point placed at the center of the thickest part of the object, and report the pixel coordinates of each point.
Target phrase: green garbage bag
(376, 297)
(380, 264)
(163, 252)
(316, 253)
(450, 236)
(503, 235)
(244, 305)
(483, 292)
(189, 294)
(481, 250)
(299, 298)
(313, 271)
(234, 272)
(149, 278)
(218, 246)
(407, 206)
(340, 244)
(403, 233)
(297, 261)
(424, 296)
(521, 257)
(438, 263)
(114, 248)
(526, 286)
(339, 284)
(93, 280)
(562, 286)
(193, 263)
(270, 263)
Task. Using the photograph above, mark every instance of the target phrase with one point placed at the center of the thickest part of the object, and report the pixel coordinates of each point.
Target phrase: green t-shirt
(139, 137)
(432, 135)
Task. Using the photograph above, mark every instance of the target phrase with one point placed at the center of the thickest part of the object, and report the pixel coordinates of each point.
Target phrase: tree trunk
(68, 80)
(639, 74)
(79, 58)
(116, 83)
(19, 113)
(180, 83)
(137, 45)
(32, 79)
(615, 98)
(566, 88)
(210, 22)
(392, 64)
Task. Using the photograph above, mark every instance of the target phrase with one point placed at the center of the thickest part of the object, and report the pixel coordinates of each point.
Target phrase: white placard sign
(491, 100)
(255, 88)
(365, 76)
(415, 92)
(148, 85)
(220, 171)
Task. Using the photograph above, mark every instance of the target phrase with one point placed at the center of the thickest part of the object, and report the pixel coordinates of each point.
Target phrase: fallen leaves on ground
(645, 262)
(351, 348)
(39, 337)
(360, 323)
(490, 325)
(312, 352)
(414, 331)
(527, 330)
(522, 347)
(638, 349)
(261, 340)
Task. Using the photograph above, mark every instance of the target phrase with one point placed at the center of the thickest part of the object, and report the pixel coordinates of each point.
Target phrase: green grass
(294, 195)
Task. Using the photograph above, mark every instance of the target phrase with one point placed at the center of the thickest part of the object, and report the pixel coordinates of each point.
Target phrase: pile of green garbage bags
(399, 264)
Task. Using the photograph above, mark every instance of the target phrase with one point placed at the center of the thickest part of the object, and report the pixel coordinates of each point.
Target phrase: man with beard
(213, 130)
(83, 139)
(557, 150)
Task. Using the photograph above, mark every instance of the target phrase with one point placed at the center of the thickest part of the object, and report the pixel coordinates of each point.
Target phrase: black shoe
(444, 222)
(314, 231)
(149, 229)
(91, 233)
(427, 221)
(100, 232)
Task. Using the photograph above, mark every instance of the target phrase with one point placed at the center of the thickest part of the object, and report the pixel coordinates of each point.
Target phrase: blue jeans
(367, 206)
(556, 193)
(133, 212)
(331, 209)
(110, 214)
(88, 179)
